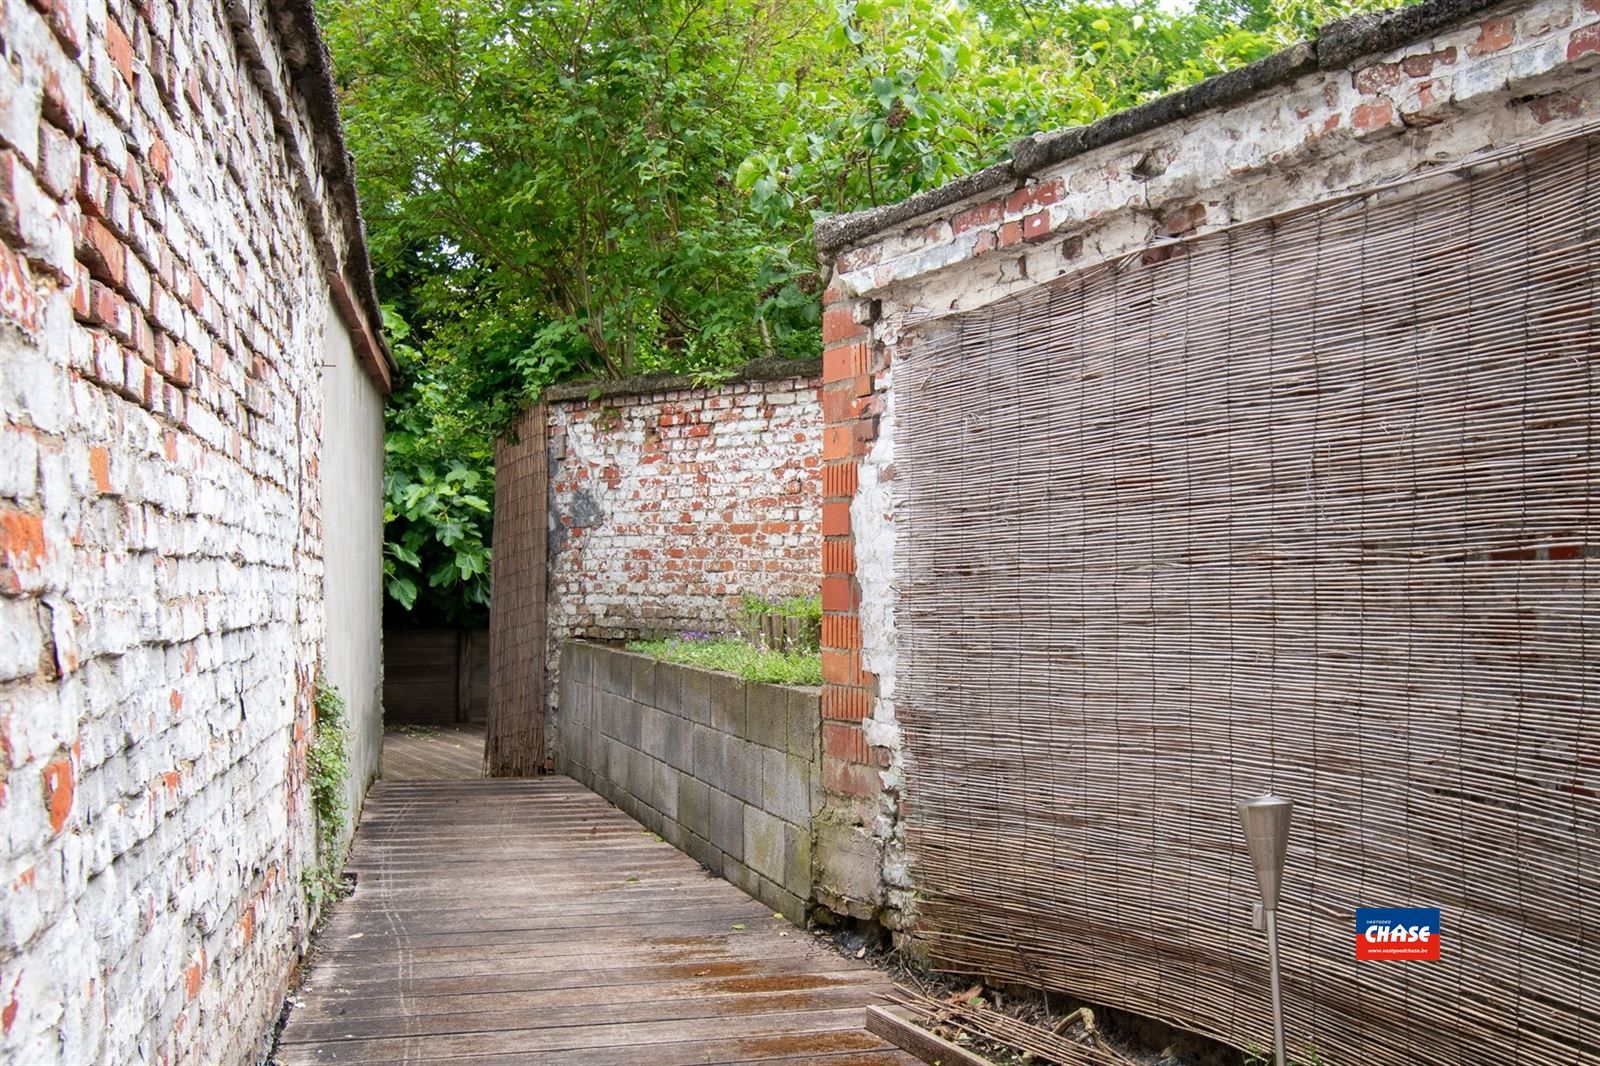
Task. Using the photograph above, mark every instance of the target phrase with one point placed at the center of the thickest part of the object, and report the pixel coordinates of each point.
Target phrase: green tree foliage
(556, 188)
(550, 181)
(915, 93)
(438, 484)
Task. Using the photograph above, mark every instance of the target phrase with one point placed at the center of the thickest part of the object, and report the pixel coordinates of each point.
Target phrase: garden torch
(1266, 830)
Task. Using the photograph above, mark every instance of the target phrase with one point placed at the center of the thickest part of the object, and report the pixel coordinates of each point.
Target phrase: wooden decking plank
(409, 871)
(589, 955)
(532, 932)
(433, 753)
(529, 938)
(530, 921)
(709, 934)
(899, 1029)
(837, 1048)
(717, 942)
(390, 1004)
(363, 1023)
(478, 984)
(609, 1035)
(585, 916)
(389, 889)
(604, 955)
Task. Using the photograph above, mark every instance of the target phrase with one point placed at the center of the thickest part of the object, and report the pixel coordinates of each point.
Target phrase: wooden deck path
(531, 922)
(433, 753)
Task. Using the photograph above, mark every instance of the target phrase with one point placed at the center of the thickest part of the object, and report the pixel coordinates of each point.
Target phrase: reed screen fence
(514, 745)
(1305, 505)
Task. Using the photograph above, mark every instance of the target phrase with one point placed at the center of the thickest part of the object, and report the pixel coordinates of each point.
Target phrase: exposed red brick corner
(58, 789)
(850, 426)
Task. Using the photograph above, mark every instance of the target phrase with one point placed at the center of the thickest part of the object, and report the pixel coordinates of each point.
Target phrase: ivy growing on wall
(327, 768)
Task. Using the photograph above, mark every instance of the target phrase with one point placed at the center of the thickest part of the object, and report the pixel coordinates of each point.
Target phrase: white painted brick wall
(162, 304)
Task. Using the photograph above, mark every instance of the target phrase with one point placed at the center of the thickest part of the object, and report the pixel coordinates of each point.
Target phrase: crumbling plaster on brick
(667, 506)
(162, 310)
(1499, 79)
(872, 516)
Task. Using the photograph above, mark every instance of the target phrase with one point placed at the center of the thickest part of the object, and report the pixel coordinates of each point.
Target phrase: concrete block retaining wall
(724, 770)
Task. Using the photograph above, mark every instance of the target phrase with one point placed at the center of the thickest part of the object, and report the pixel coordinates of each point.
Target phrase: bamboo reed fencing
(1307, 505)
(515, 741)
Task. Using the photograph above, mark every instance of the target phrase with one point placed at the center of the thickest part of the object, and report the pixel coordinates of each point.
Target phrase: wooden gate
(515, 744)
(435, 676)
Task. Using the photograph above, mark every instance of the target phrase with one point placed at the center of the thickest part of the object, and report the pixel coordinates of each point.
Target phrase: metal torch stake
(1266, 830)
(1278, 1046)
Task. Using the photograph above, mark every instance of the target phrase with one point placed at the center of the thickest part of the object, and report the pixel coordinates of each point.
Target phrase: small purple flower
(694, 634)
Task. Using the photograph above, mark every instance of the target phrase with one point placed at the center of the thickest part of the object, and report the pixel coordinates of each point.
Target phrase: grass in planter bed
(734, 656)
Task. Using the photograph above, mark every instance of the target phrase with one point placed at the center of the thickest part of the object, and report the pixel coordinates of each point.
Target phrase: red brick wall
(667, 506)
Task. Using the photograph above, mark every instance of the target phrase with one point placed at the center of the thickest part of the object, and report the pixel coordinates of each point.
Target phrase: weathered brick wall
(1373, 100)
(666, 506)
(169, 237)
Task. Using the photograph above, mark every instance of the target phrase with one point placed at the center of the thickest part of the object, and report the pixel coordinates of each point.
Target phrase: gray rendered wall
(352, 526)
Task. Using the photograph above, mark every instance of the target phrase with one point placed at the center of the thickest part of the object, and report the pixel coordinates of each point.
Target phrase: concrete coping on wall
(772, 369)
(1335, 45)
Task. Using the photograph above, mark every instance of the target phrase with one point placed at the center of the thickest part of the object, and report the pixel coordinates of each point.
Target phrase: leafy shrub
(616, 186)
(792, 624)
(734, 656)
(438, 485)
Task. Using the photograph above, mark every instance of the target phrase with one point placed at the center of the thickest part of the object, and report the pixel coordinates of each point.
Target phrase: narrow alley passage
(433, 753)
(529, 921)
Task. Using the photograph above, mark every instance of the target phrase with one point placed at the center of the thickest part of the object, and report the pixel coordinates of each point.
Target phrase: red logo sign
(1397, 933)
